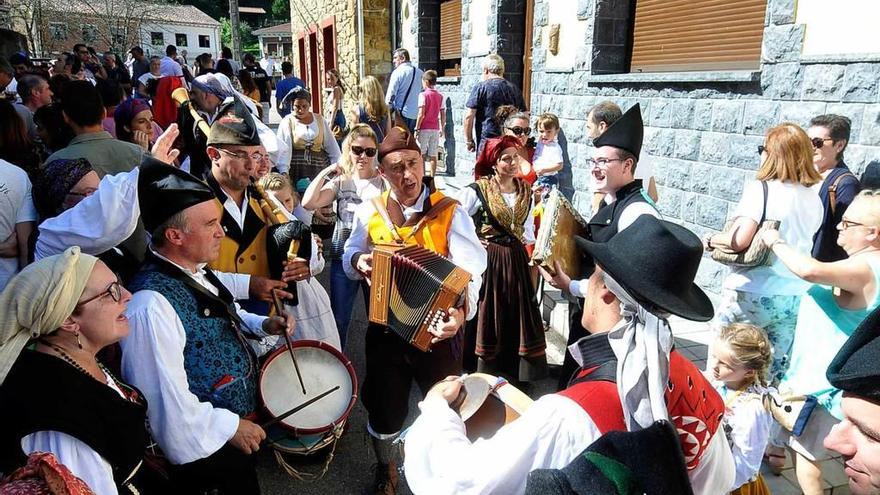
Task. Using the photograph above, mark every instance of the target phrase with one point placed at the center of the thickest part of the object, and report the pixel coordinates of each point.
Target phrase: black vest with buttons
(603, 225)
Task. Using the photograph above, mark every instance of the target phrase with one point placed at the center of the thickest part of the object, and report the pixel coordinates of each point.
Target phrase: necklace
(69, 360)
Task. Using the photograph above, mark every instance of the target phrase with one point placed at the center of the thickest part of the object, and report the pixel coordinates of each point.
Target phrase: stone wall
(309, 15)
(702, 129)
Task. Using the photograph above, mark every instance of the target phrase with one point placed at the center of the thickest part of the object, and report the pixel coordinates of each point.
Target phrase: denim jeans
(342, 293)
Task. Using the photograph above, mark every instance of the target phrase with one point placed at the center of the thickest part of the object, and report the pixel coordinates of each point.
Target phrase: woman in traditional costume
(508, 337)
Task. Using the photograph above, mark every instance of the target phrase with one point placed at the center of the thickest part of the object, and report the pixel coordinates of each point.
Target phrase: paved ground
(349, 471)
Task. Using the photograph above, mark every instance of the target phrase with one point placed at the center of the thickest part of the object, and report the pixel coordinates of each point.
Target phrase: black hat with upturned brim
(656, 262)
(856, 367)
(164, 191)
(625, 133)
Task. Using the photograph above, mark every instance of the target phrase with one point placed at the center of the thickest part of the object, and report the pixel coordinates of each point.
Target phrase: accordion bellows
(411, 288)
(560, 223)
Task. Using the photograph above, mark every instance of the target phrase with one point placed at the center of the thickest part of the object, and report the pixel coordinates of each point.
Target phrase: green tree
(249, 42)
(281, 10)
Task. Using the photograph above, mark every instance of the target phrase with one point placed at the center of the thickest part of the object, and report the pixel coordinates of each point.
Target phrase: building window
(450, 38)
(89, 33)
(180, 39)
(271, 48)
(58, 31)
(118, 35)
(712, 36)
(157, 38)
(204, 41)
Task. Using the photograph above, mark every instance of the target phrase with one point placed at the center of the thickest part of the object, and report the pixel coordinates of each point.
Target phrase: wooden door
(527, 52)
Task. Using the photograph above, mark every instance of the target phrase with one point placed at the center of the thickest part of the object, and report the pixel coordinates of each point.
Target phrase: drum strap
(433, 211)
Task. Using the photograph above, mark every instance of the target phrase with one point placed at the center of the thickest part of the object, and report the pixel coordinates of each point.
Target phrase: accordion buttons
(241, 260)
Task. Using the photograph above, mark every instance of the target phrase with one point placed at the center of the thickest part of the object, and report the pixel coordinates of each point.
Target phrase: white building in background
(183, 26)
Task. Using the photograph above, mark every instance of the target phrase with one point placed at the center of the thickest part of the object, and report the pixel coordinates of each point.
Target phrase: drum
(554, 240)
(318, 425)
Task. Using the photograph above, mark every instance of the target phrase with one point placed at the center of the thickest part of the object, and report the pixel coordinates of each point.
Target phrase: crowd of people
(144, 285)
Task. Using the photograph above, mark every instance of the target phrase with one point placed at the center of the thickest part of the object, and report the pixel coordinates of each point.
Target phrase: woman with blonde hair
(768, 296)
(350, 182)
(843, 293)
(371, 108)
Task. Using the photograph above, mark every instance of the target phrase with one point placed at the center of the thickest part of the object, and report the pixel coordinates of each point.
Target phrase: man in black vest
(612, 167)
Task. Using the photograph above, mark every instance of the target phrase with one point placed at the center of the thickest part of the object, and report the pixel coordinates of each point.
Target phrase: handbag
(757, 253)
(792, 412)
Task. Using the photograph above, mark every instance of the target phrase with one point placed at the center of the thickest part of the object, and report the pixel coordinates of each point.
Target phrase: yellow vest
(250, 259)
(433, 234)
(300, 144)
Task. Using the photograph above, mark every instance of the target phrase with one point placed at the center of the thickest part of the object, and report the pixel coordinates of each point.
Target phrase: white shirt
(308, 132)
(186, 428)
(799, 211)
(469, 201)
(547, 154)
(465, 249)
(16, 206)
(76, 455)
(550, 434)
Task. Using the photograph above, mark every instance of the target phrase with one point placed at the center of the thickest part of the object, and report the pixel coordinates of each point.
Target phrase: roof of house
(275, 30)
(152, 12)
(251, 10)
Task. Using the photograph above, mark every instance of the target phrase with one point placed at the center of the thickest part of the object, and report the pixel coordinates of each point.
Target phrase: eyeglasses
(359, 150)
(819, 142)
(601, 162)
(761, 149)
(847, 224)
(519, 131)
(114, 290)
(256, 157)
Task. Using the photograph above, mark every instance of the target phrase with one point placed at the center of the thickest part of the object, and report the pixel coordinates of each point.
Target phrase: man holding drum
(187, 350)
(392, 364)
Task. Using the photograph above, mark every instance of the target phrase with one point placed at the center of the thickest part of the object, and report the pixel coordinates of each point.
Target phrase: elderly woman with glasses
(768, 296)
(348, 183)
(306, 141)
(507, 336)
(57, 397)
(842, 294)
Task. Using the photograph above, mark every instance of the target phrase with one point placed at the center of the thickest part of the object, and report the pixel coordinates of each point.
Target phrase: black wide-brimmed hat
(656, 262)
(164, 190)
(856, 367)
(625, 133)
(234, 125)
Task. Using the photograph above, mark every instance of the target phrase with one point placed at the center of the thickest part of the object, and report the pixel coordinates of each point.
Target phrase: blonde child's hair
(750, 347)
(273, 182)
(547, 121)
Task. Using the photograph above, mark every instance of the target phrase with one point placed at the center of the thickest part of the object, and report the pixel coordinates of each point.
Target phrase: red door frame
(328, 39)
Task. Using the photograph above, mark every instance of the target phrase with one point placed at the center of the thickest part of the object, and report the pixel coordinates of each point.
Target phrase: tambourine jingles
(286, 240)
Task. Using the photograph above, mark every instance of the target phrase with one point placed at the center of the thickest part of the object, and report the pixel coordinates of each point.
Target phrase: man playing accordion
(414, 213)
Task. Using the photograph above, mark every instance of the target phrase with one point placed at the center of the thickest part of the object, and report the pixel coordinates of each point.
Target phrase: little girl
(740, 358)
(314, 317)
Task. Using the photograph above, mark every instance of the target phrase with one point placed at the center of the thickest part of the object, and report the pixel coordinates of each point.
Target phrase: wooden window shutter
(450, 30)
(692, 35)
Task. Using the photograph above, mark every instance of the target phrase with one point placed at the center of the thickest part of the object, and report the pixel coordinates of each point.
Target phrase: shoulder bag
(757, 253)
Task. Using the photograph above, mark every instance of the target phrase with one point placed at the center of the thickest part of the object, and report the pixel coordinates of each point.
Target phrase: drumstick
(280, 310)
(298, 408)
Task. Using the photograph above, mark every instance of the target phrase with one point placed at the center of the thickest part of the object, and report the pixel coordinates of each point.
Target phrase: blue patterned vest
(220, 366)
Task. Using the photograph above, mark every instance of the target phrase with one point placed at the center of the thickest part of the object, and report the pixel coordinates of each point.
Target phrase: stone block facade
(702, 129)
(313, 16)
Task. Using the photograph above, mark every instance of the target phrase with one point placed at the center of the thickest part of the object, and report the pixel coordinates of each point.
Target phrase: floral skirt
(777, 315)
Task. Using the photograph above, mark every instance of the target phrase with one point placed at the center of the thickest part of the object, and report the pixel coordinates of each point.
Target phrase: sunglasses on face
(819, 142)
(359, 150)
(114, 291)
(519, 131)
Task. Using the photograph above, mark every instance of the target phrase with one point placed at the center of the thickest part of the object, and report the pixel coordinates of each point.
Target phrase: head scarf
(642, 346)
(54, 182)
(38, 300)
(220, 86)
(491, 152)
(126, 111)
(297, 93)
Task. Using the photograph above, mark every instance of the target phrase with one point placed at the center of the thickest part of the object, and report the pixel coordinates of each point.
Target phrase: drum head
(322, 367)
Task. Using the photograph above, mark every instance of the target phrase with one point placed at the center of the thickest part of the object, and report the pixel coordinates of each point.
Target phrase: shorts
(429, 140)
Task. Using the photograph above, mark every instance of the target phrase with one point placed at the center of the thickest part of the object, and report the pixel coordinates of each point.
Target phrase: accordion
(410, 290)
(554, 241)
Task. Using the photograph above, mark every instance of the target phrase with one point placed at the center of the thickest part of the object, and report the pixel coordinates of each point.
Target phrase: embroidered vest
(220, 366)
(433, 234)
(300, 144)
(695, 408)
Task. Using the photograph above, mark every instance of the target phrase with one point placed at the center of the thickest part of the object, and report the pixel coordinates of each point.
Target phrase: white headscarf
(642, 346)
